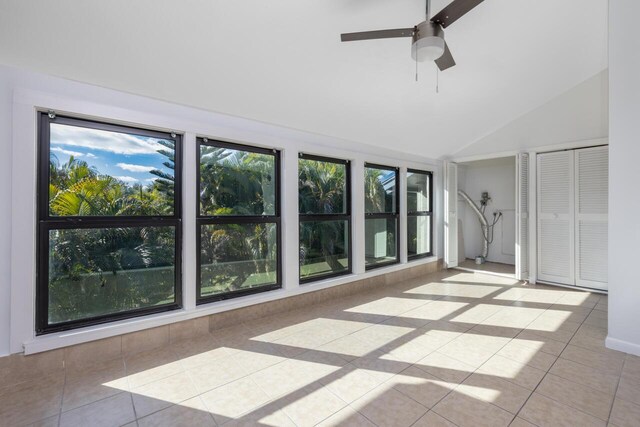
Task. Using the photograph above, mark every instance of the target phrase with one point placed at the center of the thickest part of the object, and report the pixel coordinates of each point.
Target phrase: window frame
(317, 217)
(46, 222)
(238, 219)
(428, 213)
(385, 215)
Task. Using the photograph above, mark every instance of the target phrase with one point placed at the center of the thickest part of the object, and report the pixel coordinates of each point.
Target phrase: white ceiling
(281, 61)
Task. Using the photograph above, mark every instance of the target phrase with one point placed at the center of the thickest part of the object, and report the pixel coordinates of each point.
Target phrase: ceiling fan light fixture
(428, 42)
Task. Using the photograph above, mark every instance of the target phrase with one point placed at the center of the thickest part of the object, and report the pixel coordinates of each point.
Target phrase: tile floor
(488, 267)
(451, 349)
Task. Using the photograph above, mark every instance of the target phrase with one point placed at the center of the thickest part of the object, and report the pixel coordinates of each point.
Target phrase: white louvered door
(522, 218)
(451, 216)
(591, 222)
(555, 217)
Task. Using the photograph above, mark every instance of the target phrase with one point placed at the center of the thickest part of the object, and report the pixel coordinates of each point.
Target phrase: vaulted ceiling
(281, 61)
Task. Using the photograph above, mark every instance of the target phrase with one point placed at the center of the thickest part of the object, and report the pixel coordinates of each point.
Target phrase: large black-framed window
(109, 222)
(419, 214)
(324, 206)
(238, 220)
(381, 207)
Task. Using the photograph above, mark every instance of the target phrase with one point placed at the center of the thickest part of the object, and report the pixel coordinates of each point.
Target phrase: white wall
(497, 176)
(624, 176)
(581, 113)
(21, 92)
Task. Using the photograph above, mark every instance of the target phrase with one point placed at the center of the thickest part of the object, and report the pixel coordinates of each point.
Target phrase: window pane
(96, 172)
(235, 257)
(324, 248)
(98, 271)
(236, 182)
(418, 192)
(379, 190)
(380, 240)
(418, 235)
(322, 187)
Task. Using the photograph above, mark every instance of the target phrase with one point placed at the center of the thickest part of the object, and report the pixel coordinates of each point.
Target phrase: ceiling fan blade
(454, 11)
(446, 60)
(380, 34)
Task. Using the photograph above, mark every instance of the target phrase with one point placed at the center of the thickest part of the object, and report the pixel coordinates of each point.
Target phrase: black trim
(318, 217)
(46, 222)
(386, 215)
(202, 220)
(428, 213)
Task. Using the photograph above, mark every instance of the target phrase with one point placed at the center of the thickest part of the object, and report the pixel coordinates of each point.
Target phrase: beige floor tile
(385, 406)
(465, 411)
(515, 372)
(527, 355)
(198, 351)
(421, 386)
(592, 338)
(381, 366)
(349, 347)
(513, 317)
(447, 368)
(351, 383)
(149, 366)
(222, 371)
(495, 390)
(476, 314)
(411, 349)
(310, 405)
(291, 375)
(520, 422)
(31, 401)
(625, 413)
(631, 367)
(538, 342)
(382, 335)
(585, 375)
(545, 412)
(578, 396)
(431, 419)
(346, 417)
(629, 389)
(189, 413)
(233, 400)
(95, 352)
(89, 386)
(474, 350)
(434, 311)
(112, 411)
(18, 368)
(47, 422)
(262, 417)
(610, 364)
(158, 395)
(258, 356)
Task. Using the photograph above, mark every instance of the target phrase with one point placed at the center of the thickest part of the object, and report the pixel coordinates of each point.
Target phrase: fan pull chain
(416, 67)
(437, 80)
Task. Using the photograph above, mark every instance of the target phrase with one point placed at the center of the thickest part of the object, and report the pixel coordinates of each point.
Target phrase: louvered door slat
(555, 217)
(592, 194)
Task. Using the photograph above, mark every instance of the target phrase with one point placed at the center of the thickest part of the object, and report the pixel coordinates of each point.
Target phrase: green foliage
(96, 271)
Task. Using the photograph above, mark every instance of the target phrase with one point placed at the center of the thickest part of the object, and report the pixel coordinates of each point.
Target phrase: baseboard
(620, 345)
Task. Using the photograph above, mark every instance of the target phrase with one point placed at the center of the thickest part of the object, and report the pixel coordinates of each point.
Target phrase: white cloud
(91, 155)
(127, 179)
(67, 152)
(94, 139)
(135, 168)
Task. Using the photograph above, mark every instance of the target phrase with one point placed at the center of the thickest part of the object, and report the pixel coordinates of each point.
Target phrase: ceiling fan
(428, 36)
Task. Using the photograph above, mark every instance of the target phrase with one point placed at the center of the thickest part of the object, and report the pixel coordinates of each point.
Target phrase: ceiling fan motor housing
(428, 42)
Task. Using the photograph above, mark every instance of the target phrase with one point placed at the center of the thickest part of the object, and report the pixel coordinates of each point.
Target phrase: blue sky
(124, 156)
